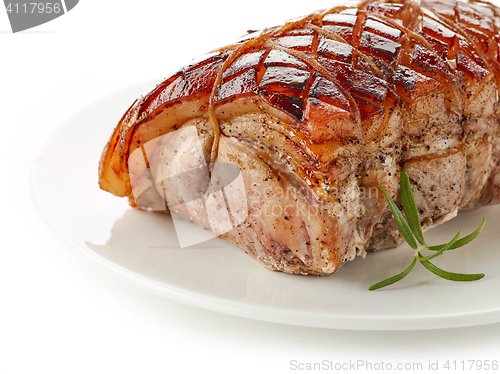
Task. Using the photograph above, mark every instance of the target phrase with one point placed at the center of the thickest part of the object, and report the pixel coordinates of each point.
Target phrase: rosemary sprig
(412, 232)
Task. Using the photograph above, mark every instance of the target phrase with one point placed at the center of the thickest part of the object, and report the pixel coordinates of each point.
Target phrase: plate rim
(256, 312)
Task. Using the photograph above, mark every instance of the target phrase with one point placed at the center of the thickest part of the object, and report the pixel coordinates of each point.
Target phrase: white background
(60, 313)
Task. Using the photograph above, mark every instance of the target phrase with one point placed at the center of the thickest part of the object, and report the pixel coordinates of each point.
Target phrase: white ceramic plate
(142, 247)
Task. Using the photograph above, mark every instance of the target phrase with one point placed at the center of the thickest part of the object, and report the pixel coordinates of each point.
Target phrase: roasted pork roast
(313, 115)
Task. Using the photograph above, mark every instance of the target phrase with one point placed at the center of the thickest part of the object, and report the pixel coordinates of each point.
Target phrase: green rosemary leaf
(465, 240)
(458, 277)
(409, 207)
(445, 248)
(400, 220)
(412, 231)
(395, 278)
